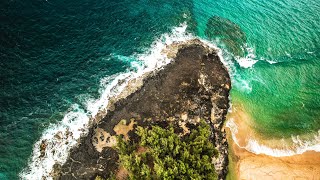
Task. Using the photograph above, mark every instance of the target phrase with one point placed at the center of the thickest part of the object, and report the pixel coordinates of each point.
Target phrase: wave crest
(276, 148)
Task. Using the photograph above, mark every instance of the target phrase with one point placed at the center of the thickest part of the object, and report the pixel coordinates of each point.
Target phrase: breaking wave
(289, 147)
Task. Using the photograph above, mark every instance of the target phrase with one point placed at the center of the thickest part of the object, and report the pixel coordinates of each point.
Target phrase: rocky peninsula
(193, 87)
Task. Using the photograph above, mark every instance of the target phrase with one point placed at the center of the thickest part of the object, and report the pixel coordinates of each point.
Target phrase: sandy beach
(250, 166)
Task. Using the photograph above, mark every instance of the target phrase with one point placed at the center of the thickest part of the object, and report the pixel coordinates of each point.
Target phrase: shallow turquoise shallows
(54, 54)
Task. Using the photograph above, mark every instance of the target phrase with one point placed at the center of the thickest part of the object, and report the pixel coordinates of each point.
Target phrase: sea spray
(250, 58)
(231, 62)
(58, 139)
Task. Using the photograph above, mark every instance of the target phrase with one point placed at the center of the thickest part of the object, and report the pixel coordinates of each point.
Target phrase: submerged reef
(191, 90)
(227, 32)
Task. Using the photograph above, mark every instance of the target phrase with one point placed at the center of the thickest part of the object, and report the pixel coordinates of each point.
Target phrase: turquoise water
(55, 53)
(283, 98)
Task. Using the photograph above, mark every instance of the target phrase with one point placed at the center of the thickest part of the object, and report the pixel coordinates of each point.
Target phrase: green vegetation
(111, 177)
(98, 178)
(162, 154)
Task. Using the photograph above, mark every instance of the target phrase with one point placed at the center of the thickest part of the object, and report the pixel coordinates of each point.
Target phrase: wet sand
(247, 165)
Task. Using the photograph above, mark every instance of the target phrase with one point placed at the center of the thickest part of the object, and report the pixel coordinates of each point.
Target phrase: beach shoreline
(243, 130)
(249, 165)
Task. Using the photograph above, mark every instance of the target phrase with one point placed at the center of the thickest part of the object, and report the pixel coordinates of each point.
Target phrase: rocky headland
(194, 86)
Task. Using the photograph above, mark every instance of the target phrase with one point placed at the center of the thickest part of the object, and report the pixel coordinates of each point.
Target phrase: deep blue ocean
(55, 53)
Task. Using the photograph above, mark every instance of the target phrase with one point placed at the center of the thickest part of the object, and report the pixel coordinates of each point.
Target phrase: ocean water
(61, 60)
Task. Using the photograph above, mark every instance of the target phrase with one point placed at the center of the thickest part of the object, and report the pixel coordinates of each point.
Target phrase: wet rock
(43, 147)
(184, 116)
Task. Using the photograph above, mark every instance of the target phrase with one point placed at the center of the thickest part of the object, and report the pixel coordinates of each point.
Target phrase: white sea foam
(249, 60)
(297, 144)
(271, 62)
(255, 147)
(61, 137)
(228, 58)
(310, 52)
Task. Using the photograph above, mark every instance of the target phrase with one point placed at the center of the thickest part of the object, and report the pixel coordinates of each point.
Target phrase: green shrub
(168, 156)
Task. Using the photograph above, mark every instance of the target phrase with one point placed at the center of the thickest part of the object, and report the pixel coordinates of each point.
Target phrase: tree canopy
(162, 154)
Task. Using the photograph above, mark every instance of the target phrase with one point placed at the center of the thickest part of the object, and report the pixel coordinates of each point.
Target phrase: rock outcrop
(194, 86)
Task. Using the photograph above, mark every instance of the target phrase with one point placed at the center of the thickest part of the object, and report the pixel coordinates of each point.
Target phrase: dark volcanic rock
(195, 85)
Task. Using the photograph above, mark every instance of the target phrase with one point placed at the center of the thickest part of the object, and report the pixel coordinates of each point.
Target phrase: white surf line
(299, 146)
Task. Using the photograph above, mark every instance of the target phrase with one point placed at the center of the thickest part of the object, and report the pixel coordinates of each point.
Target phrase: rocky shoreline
(194, 86)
